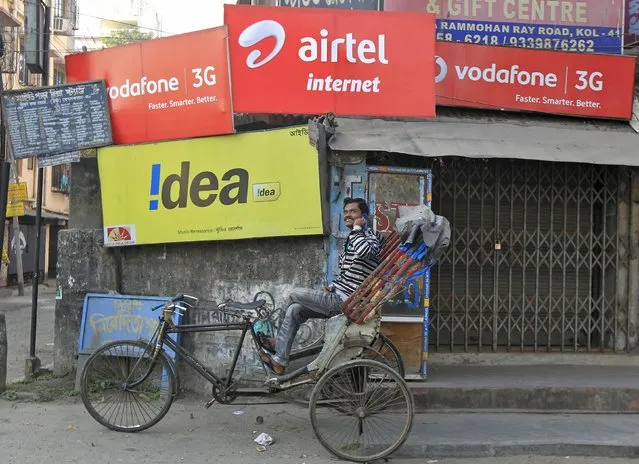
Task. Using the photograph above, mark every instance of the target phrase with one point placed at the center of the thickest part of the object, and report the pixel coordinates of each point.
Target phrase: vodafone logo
(513, 74)
(443, 69)
(257, 32)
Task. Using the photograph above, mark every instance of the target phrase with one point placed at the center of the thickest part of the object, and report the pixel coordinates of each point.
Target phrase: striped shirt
(358, 260)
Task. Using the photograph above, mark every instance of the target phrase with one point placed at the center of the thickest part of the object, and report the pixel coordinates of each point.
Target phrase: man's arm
(365, 243)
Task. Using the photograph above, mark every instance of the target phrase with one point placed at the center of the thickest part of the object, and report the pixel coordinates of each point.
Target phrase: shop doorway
(538, 257)
(388, 190)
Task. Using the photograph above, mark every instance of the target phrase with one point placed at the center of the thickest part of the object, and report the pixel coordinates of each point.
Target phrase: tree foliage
(126, 36)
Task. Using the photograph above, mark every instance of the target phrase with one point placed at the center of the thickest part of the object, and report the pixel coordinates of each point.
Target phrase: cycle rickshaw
(361, 408)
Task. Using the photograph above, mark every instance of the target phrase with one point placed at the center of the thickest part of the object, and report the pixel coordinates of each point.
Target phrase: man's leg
(305, 304)
(318, 300)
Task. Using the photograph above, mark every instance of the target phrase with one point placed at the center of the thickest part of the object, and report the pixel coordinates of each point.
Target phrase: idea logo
(170, 190)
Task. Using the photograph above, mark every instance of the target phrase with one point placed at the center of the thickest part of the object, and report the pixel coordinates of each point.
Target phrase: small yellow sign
(266, 192)
(17, 191)
(258, 184)
(15, 209)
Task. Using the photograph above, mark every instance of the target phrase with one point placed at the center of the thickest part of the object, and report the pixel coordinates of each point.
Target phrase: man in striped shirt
(358, 260)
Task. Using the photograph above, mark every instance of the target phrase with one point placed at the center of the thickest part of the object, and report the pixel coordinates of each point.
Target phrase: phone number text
(542, 37)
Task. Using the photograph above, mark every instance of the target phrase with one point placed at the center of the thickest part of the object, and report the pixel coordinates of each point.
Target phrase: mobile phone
(365, 218)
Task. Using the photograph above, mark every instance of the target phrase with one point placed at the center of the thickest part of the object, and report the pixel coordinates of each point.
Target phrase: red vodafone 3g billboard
(315, 61)
(163, 89)
(575, 84)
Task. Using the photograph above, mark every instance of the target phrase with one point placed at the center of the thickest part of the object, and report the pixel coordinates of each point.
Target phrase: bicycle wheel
(123, 389)
(361, 410)
(388, 350)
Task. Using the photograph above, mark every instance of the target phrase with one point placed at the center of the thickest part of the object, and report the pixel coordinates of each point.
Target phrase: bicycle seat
(242, 306)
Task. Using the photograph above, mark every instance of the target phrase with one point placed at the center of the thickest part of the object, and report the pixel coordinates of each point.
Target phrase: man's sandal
(273, 365)
(266, 342)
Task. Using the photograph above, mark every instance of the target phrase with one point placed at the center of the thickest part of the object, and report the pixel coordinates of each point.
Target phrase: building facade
(98, 20)
(541, 201)
(543, 242)
(16, 75)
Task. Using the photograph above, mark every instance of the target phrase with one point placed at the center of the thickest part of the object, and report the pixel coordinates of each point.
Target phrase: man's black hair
(361, 204)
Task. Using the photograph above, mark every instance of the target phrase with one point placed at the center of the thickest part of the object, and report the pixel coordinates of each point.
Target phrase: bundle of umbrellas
(419, 239)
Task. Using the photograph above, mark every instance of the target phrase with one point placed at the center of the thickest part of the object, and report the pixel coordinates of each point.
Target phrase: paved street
(525, 460)
(189, 433)
(17, 310)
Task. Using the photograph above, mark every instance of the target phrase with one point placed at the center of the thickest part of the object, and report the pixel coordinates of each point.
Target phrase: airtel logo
(443, 69)
(257, 32)
(311, 49)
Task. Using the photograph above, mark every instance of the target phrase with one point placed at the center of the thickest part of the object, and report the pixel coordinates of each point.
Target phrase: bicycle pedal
(272, 382)
(209, 403)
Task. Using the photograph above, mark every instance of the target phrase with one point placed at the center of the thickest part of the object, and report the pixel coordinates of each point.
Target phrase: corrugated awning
(494, 135)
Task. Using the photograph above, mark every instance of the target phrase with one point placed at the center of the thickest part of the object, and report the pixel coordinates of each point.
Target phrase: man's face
(351, 213)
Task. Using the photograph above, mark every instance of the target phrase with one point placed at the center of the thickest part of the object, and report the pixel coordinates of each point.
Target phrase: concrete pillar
(85, 204)
(84, 265)
(633, 267)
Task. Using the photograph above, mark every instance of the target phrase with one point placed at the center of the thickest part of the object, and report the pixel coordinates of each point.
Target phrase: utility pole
(32, 365)
(4, 164)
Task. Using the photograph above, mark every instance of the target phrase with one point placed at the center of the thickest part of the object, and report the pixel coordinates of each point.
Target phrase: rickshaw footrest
(292, 375)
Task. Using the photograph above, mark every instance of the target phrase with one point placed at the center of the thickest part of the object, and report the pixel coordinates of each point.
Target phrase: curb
(461, 450)
(48, 367)
(28, 290)
(603, 400)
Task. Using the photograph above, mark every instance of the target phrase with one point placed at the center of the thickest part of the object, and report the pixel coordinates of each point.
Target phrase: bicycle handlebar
(180, 297)
(175, 299)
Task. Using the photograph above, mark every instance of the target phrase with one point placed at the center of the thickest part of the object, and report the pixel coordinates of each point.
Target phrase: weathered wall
(85, 206)
(217, 271)
(84, 266)
(212, 271)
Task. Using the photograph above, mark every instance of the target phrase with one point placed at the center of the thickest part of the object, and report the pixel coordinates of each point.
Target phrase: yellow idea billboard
(258, 184)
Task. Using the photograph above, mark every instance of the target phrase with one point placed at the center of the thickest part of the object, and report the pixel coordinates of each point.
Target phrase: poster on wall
(585, 26)
(217, 188)
(631, 23)
(320, 60)
(175, 87)
(574, 84)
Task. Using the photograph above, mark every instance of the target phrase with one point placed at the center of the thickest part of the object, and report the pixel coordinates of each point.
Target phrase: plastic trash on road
(264, 439)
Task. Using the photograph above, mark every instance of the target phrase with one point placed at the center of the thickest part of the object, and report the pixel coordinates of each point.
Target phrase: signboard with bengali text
(107, 318)
(52, 120)
(15, 208)
(17, 191)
